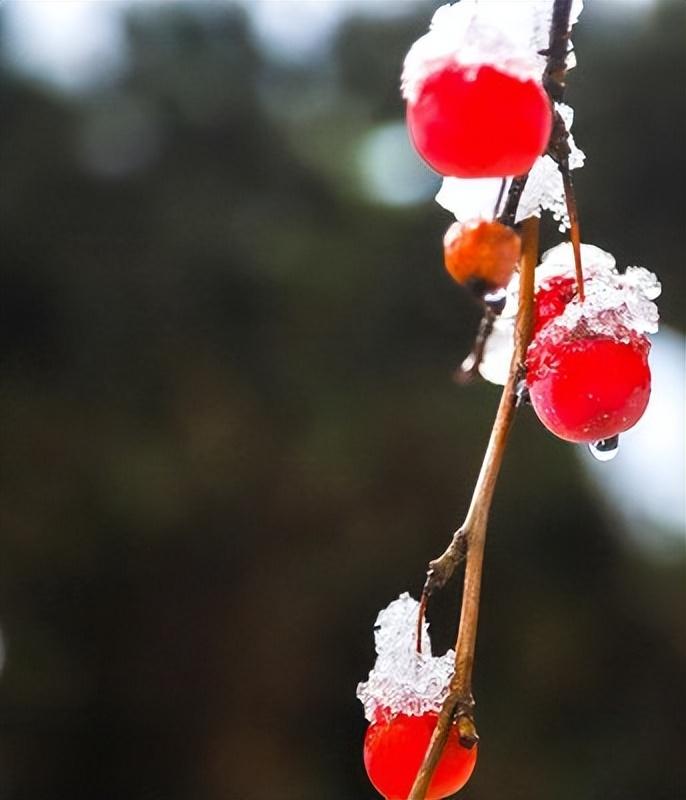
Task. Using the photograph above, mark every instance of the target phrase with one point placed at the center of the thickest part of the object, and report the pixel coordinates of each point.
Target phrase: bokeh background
(230, 434)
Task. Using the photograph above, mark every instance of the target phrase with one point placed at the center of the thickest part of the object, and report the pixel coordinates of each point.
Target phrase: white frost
(616, 304)
(475, 32)
(471, 198)
(403, 680)
(544, 190)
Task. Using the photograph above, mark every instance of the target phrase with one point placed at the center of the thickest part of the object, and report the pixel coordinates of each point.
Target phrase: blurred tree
(229, 434)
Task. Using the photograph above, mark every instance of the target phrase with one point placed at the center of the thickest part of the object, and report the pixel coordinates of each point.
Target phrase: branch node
(466, 728)
(441, 569)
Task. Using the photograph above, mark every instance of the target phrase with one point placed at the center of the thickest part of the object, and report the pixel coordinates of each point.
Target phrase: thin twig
(501, 192)
(514, 195)
(559, 151)
(458, 706)
(557, 52)
(558, 148)
(574, 229)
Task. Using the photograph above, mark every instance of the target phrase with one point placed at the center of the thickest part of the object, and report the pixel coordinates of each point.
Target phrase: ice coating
(403, 680)
(471, 198)
(497, 355)
(544, 190)
(468, 198)
(502, 33)
(613, 300)
(617, 304)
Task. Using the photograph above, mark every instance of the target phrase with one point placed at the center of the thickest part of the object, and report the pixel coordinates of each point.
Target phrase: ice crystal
(614, 300)
(403, 680)
(544, 190)
(470, 198)
(617, 304)
(508, 35)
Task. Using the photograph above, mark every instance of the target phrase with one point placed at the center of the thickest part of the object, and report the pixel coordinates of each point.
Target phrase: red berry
(479, 122)
(551, 299)
(585, 388)
(394, 748)
(483, 251)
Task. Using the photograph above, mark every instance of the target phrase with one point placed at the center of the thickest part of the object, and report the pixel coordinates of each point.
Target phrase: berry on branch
(479, 121)
(476, 106)
(587, 365)
(587, 376)
(481, 252)
(402, 698)
(394, 748)
(586, 387)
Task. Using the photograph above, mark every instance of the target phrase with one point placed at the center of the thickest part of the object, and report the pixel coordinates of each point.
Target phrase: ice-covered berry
(394, 749)
(402, 698)
(619, 307)
(587, 387)
(587, 365)
(551, 299)
(479, 121)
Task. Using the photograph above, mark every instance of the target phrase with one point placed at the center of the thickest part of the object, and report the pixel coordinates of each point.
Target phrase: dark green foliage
(229, 434)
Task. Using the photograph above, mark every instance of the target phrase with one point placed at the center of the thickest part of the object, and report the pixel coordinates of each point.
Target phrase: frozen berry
(550, 300)
(479, 122)
(481, 251)
(588, 387)
(394, 748)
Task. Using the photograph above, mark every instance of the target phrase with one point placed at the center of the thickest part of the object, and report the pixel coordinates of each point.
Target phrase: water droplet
(605, 449)
(522, 396)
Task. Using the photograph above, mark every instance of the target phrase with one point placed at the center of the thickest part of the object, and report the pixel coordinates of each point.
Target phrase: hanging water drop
(605, 449)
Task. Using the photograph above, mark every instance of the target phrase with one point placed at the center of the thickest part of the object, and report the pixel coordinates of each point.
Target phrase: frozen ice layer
(476, 32)
(403, 680)
(544, 190)
(616, 304)
(613, 299)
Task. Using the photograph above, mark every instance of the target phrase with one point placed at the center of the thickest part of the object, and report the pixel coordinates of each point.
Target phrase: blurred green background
(230, 434)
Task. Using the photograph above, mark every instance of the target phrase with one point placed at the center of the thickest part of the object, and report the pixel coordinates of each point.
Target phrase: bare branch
(458, 706)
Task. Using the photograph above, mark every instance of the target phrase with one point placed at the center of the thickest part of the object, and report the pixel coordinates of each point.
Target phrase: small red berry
(550, 300)
(479, 122)
(483, 251)
(585, 388)
(394, 749)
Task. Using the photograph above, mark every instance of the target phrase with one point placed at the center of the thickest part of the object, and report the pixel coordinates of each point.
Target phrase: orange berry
(481, 252)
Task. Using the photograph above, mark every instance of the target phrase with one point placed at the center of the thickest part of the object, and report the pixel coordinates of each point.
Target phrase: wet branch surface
(469, 540)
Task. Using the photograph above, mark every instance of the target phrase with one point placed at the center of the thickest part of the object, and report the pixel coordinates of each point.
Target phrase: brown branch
(558, 147)
(471, 537)
(458, 706)
(513, 196)
(574, 229)
(557, 52)
(558, 150)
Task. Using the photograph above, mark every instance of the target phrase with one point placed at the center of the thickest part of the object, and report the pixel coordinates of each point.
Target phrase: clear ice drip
(403, 680)
(605, 449)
